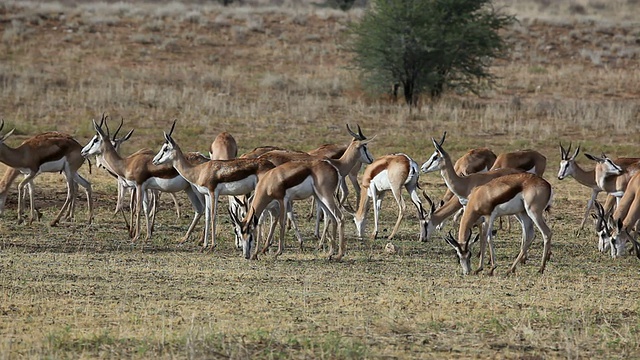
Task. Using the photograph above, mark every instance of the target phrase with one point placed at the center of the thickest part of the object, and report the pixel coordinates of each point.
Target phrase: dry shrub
(145, 39)
(255, 23)
(274, 81)
(239, 34)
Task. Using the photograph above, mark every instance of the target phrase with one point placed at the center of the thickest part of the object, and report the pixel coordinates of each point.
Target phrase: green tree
(427, 45)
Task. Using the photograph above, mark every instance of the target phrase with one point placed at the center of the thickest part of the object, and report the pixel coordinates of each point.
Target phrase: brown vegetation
(278, 76)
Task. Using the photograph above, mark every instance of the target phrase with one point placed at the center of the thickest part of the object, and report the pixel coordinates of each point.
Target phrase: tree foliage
(427, 45)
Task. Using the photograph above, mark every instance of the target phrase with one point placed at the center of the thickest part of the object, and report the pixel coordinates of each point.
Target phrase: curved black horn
(362, 137)
(1, 124)
(443, 137)
(354, 135)
(102, 119)
(172, 127)
(118, 129)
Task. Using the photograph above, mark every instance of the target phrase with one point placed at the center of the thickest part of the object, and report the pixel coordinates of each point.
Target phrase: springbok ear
(594, 158)
(563, 152)
(167, 138)
(475, 239)
(98, 128)
(5, 136)
(452, 241)
(432, 208)
(575, 153)
(126, 137)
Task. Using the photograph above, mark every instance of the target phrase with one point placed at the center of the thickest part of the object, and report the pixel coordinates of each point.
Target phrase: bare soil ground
(278, 75)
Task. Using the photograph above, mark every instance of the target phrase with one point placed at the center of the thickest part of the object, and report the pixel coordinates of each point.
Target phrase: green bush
(427, 45)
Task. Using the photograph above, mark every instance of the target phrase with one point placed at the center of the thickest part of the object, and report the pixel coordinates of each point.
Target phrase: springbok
(389, 172)
(213, 178)
(138, 171)
(524, 195)
(320, 177)
(46, 152)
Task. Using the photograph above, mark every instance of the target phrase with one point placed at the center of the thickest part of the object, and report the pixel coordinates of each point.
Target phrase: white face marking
(433, 164)
(566, 169)
(92, 147)
(360, 225)
(163, 156)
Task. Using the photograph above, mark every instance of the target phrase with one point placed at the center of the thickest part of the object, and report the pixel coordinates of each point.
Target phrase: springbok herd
(262, 185)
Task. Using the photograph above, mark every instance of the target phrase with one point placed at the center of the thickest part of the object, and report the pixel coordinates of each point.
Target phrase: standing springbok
(569, 167)
(213, 178)
(389, 172)
(46, 152)
(320, 177)
(524, 195)
(138, 171)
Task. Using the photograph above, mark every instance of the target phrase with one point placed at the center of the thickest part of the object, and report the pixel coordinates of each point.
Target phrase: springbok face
(237, 210)
(361, 142)
(606, 166)
(167, 151)
(436, 160)
(567, 162)
(95, 145)
(427, 227)
(360, 224)
(619, 240)
(602, 228)
(463, 252)
(248, 237)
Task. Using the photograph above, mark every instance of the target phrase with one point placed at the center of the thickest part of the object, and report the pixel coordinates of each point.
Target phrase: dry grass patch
(277, 76)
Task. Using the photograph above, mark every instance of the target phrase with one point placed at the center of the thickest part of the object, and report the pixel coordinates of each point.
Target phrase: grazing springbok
(319, 177)
(138, 171)
(213, 178)
(46, 152)
(357, 153)
(569, 167)
(625, 219)
(602, 228)
(460, 186)
(524, 195)
(389, 172)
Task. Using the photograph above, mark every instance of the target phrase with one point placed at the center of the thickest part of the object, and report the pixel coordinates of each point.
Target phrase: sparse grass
(277, 75)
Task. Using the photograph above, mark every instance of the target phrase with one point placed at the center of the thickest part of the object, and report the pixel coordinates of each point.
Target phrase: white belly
(51, 166)
(380, 182)
(617, 194)
(513, 206)
(174, 184)
(300, 191)
(240, 187)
